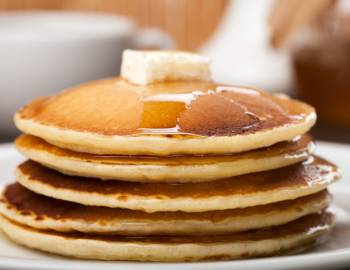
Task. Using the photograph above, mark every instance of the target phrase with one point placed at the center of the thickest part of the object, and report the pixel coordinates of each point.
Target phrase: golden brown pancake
(291, 237)
(165, 169)
(243, 191)
(28, 208)
(116, 117)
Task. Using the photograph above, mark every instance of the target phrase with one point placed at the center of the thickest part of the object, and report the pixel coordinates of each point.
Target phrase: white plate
(336, 253)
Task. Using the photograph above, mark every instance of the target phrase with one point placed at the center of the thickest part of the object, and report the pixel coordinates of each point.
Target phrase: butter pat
(147, 67)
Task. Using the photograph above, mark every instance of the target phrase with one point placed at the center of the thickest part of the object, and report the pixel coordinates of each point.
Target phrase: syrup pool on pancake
(193, 108)
(117, 117)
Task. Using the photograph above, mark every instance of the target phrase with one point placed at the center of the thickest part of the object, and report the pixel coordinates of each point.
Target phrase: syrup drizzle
(172, 108)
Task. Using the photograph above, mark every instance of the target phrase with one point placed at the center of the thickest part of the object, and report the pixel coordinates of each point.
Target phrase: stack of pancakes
(176, 171)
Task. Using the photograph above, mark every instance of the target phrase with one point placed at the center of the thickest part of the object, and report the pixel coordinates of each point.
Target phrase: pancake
(37, 211)
(287, 183)
(291, 237)
(116, 117)
(165, 169)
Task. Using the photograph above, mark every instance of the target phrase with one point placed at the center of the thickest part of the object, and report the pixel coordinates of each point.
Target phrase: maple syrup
(116, 107)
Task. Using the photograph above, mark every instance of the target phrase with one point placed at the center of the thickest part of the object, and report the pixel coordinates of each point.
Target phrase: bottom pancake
(28, 208)
(294, 236)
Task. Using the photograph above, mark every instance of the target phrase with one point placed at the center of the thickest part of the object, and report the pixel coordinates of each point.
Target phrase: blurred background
(297, 47)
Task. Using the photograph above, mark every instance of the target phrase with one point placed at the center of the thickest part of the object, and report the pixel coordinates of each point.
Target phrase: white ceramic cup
(44, 52)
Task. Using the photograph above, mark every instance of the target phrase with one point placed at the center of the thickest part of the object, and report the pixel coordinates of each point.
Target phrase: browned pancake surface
(28, 202)
(299, 145)
(115, 107)
(297, 176)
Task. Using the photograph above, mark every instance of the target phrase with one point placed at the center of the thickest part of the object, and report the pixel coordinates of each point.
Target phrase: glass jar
(321, 61)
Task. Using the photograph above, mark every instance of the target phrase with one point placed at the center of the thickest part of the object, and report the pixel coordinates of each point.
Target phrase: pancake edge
(165, 226)
(154, 203)
(165, 173)
(159, 145)
(136, 251)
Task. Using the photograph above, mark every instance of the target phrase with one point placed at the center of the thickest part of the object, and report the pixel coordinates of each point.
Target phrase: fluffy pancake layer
(287, 183)
(115, 117)
(293, 236)
(165, 169)
(37, 211)
(172, 171)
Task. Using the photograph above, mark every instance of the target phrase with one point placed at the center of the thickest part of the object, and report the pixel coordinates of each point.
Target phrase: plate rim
(329, 258)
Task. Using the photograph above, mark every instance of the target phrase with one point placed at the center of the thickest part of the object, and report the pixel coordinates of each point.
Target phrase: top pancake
(116, 117)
